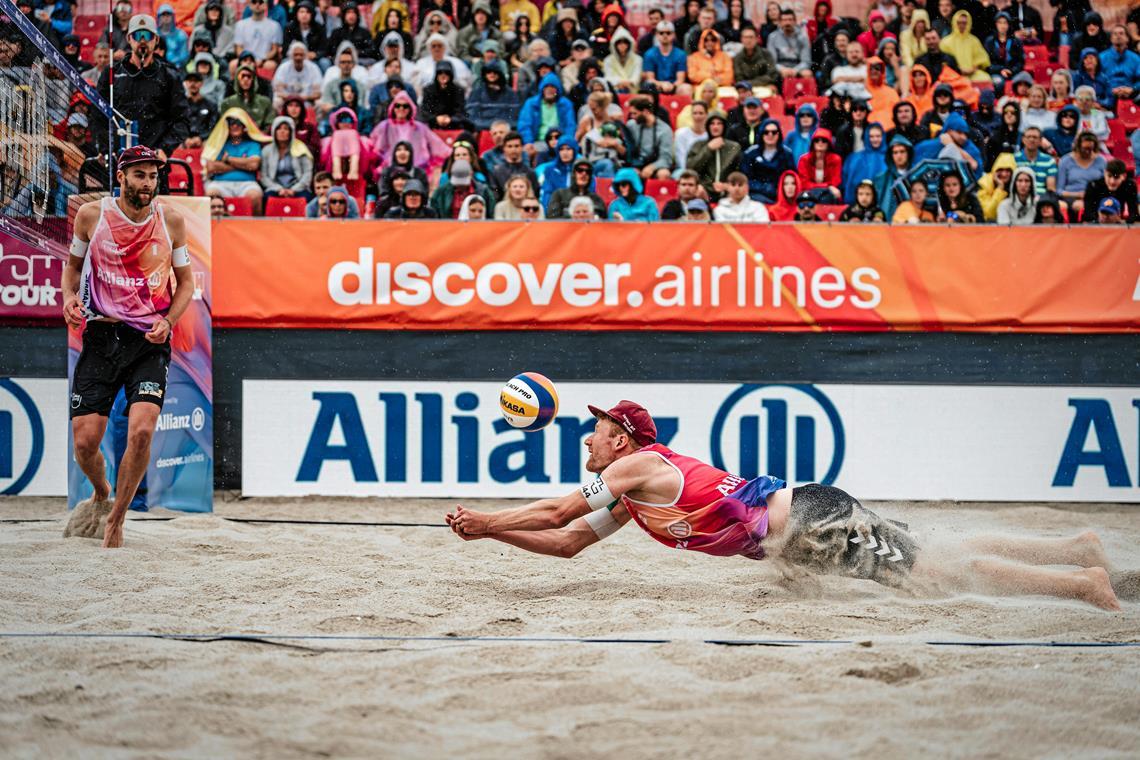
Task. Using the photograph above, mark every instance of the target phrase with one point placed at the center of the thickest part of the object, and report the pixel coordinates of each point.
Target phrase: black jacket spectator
(201, 117)
(443, 97)
(1022, 15)
(357, 34)
(934, 61)
(1097, 191)
(492, 98)
(1098, 40)
(152, 96)
(314, 38)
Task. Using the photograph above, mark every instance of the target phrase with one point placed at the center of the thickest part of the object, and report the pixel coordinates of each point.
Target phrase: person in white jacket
(737, 206)
(1021, 206)
(622, 67)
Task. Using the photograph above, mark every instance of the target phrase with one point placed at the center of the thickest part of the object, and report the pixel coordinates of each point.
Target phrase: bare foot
(1099, 590)
(113, 536)
(1091, 550)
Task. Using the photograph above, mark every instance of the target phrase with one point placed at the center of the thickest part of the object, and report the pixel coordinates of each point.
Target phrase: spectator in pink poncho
(367, 156)
(401, 126)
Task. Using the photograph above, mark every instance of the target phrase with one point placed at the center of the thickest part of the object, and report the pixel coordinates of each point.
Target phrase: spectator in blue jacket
(1007, 55)
(1121, 66)
(865, 164)
(492, 98)
(557, 173)
(952, 142)
(177, 44)
(549, 109)
(1061, 136)
(1089, 74)
(798, 141)
(630, 205)
(764, 162)
(900, 158)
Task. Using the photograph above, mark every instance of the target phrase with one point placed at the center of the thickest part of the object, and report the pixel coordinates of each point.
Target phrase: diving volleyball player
(118, 279)
(687, 504)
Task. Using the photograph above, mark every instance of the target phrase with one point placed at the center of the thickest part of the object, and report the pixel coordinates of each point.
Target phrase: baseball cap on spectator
(415, 186)
(140, 22)
(805, 200)
(696, 204)
(77, 120)
(460, 173)
(631, 417)
(744, 85)
(192, 76)
(943, 89)
(665, 26)
(247, 55)
(752, 101)
(579, 44)
(1109, 206)
(138, 154)
(955, 123)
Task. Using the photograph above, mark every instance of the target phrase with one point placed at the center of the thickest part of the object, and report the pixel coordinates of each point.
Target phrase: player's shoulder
(173, 216)
(88, 213)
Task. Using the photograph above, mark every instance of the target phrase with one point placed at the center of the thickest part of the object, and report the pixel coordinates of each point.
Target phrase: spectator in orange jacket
(921, 91)
(883, 96)
(710, 61)
(821, 166)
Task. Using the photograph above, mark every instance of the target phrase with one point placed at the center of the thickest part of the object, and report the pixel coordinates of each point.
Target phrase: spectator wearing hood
(492, 99)
(402, 126)
(710, 61)
(439, 49)
(798, 140)
(765, 162)
(985, 120)
(865, 206)
(754, 64)
(1089, 75)
(246, 97)
(448, 199)
(581, 184)
(303, 128)
(392, 62)
(1020, 207)
(877, 31)
(549, 109)
(509, 9)
(952, 142)
(822, 167)
(469, 40)
(736, 206)
(850, 133)
(630, 205)
(557, 173)
(821, 20)
(297, 76)
(905, 118)
(177, 44)
(1082, 165)
(956, 204)
(1121, 65)
(215, 26)
(967, 50)
(305, 28)
(883, 97)
(1007, 137)
(622, 67)
(231, 156)
(899, 159)
(1092, 35)
(443, 105)
(942, 105)
(337, 204)
(1115, 184)
(1062, 135)
(474, 209)
(346, 66)
(921, 92)
(786, 208)
(392, 17)
(286, 165)
(351, 30)
(612, 19)
(865, 164)
(213, 88)
(413, 203)
(912, 42)
(994, 187)
(202, 114)
(1005, 51)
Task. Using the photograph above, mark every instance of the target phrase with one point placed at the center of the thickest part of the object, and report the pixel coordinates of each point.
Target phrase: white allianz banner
(33, 436)
(447, 439)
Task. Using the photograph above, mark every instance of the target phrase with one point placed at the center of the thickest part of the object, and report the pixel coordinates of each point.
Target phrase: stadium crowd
(960, 112)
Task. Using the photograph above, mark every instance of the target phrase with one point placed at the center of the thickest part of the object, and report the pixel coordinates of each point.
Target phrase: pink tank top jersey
(715, 512)
(127, 271)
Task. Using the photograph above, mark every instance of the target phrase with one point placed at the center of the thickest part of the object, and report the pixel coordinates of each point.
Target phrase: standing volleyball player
(118, 279)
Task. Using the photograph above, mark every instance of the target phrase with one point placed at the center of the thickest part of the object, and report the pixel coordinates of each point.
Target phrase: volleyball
(528, 401)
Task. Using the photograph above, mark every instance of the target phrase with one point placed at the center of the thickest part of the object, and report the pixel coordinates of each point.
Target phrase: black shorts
(114, 356)
(830, 532)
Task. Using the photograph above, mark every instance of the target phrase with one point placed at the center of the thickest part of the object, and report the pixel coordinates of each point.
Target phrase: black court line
(277, 639)
(249, 520)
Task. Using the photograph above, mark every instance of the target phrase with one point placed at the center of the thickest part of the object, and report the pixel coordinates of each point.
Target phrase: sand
(886, 694)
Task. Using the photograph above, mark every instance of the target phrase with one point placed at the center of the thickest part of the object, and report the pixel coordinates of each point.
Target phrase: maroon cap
(632, 418)
(138, 154)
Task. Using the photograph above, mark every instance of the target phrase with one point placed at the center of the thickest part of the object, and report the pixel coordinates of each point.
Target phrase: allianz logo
(195, 421)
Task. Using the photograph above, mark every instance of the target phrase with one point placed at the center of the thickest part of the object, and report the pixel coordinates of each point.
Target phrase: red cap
(632, 418)
(138, 154)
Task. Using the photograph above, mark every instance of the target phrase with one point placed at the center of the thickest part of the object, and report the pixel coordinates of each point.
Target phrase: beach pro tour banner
(181, 472)
(565, 275)
(447, 439)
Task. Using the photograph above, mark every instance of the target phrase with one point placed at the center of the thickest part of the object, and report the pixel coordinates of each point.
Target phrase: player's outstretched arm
(565, 542)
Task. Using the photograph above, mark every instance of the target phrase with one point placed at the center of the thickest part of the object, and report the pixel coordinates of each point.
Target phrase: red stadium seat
(239, 207)
(87, 42)
(1129, 114)
(1043, 72)
(178, 181)
(623, 98)
(1123, 151)
(1116, 133)
(1063, 55)
(1036, 54)
(604, 188)
(787, 123)
(796, 87)
(89, 24)
(729, 103)
(818, 101)
(449, 136)
(829, 213)
(661, 191)
(285, 207)
(486, 142)
(775, 105)
(674, 104)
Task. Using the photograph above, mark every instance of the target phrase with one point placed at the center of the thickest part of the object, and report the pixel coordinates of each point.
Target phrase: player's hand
(451, 523)
(159, 332)
(470, 522)
(73, 312)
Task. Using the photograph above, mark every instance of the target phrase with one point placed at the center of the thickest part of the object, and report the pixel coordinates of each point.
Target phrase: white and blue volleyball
(529, 401)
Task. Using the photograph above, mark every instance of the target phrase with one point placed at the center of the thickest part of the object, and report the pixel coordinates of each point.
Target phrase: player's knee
(86, 442)
(139, 435)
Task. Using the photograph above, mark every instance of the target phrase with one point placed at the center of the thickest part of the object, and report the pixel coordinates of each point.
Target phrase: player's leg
(94, 384)
(87, 434)
(1083, 549)
(1005, 578)
(141, 420)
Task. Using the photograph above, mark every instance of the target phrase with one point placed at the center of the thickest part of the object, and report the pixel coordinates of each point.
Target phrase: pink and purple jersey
(127, 271)
(715, 512)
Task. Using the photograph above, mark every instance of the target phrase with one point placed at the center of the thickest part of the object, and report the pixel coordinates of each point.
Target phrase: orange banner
(612, 276)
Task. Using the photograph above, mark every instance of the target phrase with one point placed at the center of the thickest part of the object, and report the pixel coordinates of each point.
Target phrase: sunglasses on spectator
(403, 105)
(582, 170)
(770, 132)
(257, 2)
(337, 202)
(530, 209)
(142, 35)
(435, 22)
(820, 141)
(806, 204)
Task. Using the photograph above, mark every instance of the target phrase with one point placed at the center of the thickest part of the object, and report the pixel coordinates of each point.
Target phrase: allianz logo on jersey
(21, 437)
(793, 432)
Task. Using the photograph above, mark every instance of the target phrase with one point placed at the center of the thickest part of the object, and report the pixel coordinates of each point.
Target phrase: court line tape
(250, 520)
(277, 639)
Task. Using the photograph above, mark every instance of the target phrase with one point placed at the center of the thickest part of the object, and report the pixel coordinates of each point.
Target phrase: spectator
(566, 32)
(985, 120)
(918, 208)
(547, 110)
(798, 141)
(581, 185)
(942, 104)
(304, 129)
(650, 148)
(450, 197)
(630, 205)
(246, 97)
(218, 208)
(688, 188)
(706, 93)
(1121, 65)
(401, 126)
(645, 41)
(305, 28)
(766, 162)
(690, 12)
(352, 31)
(1006, 54)
(709, 61)
(1026, 21)
(509, 10)
(737, 206)
(786, 207)
(805, 208)
(215, 27)
(993, 188)
(732, 26)
(934, 60)
(1090, 75)
(101, 58)
(261, 84)
(1043, 165)
(790, 47)
(413, 203)
(850, 132)
(1093, 36)
(883, 96)
(686, 137)
(944, 18)
(1060, 90)
(835, 57)
(519, 193)
(865, 164)
(286, 164)
(493, 156)
(147, 92)
(905, 119)
(492, 99)
(392, 61)
(664, 66)
(1108, 212)
(512, 164)
(754, 63)
(696, 210)
(1007, 137)
(588, 79)
(538, 65)
(391, 187)
(177, 47)
(1034, 113)
(876, 33)
(470, 39)
(921, 95)
(1020, 208)
(260, 35)
(438, 49)
(1115, 184)
(232, 157)
(956, 204)
(213, 88)
(581, 209)
(746, 133)
(821, 167)
(693, 39)
(516, 43)
(116, 35)
(557, 173)
(299, 76)
(202, 115)
(715, 158)
(899, 158)
(850, 78)
(1048, 210)
(1061, 137)
(347, 68)
(444, 106)
(865, 207)
(1076, 170)
(912, 41)
(821, 20)
(623, 66)
(967, 50)
(474, 209)
(895, 73)
(593, 114)
(1089, 117)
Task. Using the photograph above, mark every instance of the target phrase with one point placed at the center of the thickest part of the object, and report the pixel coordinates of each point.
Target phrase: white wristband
(79, 247)
(598, 494)
(602, 522)
(180, 257)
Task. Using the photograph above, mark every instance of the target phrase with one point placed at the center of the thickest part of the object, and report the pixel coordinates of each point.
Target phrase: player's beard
(136, 197)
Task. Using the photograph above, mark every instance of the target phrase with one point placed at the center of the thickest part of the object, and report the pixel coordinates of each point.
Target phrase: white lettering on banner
(447, 439)
(582, 284)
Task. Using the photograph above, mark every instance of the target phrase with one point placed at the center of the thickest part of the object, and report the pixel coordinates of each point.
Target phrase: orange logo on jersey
(680, 529)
